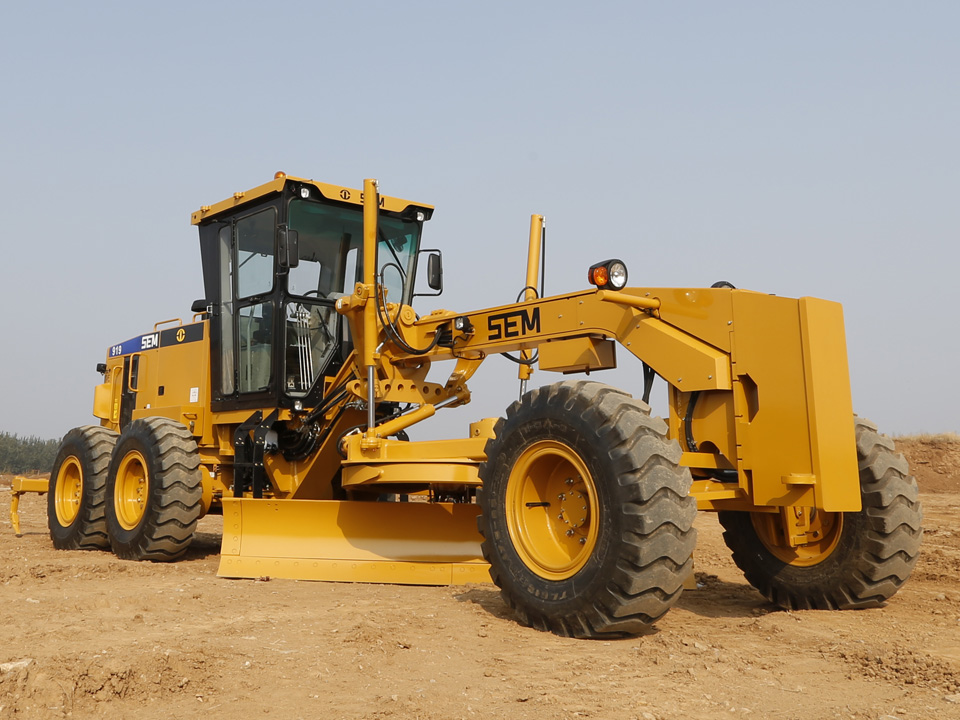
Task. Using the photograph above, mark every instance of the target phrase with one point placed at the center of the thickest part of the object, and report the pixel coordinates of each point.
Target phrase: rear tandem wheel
(860, 558)
(586, 516)
(154, 489)
(76, 499)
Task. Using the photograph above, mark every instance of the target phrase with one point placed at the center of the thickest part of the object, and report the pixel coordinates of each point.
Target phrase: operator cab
(275, 260)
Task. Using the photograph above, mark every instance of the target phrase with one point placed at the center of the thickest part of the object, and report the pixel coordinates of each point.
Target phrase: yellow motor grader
(285, 403)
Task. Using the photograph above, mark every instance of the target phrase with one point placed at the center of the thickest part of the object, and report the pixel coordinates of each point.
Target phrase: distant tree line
(26, 454)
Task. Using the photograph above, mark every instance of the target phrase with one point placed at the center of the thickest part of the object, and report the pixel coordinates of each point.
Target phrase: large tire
(76, 500)
(865, 557)
(586, 517)
(154, 489)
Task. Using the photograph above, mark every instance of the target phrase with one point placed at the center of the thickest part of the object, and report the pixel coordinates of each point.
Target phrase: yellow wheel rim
(130, 491)
(551, 510)
(819, 539)
(68, 491)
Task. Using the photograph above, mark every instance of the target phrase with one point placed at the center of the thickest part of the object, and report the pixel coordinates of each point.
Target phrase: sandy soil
(85, 635)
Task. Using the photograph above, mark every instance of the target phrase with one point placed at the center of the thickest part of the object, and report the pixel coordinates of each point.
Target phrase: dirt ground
(85, 635)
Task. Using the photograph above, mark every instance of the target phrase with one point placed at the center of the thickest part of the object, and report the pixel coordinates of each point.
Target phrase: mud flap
(408, 543)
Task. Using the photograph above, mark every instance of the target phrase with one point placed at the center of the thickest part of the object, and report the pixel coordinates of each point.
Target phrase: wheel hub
(68, 491)
(574, 508)
(132, 486)
(799, 536)
(550, 494)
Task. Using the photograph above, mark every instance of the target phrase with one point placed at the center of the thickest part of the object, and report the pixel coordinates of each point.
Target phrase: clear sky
(791, 148)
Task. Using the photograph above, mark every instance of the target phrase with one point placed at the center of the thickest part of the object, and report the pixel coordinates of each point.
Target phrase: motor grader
(285, 402)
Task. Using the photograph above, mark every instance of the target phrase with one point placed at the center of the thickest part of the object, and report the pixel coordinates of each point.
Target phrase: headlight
(608, 275)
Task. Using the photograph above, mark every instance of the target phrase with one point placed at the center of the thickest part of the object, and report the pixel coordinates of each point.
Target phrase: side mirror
(288, 247)
(434, 274)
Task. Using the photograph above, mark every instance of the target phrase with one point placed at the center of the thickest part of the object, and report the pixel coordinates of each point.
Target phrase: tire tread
(656, 546)
(171, 516)
(882, 558)
(93, 446)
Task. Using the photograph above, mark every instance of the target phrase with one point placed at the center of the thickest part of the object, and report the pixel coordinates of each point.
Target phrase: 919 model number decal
(163, 338)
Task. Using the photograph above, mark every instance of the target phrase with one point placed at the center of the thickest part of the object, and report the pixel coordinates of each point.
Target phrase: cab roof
(331, 192)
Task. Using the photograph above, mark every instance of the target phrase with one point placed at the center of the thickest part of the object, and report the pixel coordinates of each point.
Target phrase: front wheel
(855, 559)
(586, 517)
(154, 489)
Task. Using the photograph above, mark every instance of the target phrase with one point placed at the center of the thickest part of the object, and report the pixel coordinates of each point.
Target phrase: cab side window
(255, 242)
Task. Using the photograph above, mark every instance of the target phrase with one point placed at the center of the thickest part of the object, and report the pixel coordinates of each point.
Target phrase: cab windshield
(330, 242)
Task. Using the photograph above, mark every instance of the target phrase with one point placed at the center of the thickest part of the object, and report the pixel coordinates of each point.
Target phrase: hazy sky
(792, 148)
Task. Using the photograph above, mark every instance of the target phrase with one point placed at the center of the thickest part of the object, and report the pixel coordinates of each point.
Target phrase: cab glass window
(255, 333)
(330, 238)
(226, 312)
(255, 243)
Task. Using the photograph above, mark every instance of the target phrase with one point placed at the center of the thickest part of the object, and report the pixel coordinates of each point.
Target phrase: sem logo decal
(346, 195)
(380, 203)
(164, 338)
(513, 324)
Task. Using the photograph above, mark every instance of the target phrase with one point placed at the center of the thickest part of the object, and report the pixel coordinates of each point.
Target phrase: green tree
(26, 454)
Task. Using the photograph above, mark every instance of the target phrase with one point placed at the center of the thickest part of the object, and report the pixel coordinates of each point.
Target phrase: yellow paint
(68, 491)
(798, 536)
(829, 405)
(370, 332)
(413, 474)
(18, 487)
(103, 401)
(794, 417)
(21, 484)
(682, 359)
(772, 421)
(333, 192)
(395, 542)
(551, 510)
(577, 355)
(455, 450)
(530, 291)
(625, 298)
(15, 513)
(131, 489)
